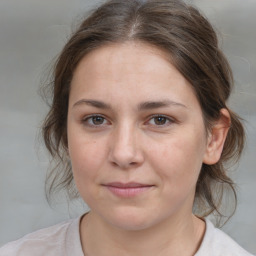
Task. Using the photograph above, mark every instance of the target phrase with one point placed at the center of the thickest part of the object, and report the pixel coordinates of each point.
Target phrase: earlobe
(216, 138)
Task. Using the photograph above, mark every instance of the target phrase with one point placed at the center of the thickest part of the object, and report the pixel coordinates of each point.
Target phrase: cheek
(179, 159)
(86, 157)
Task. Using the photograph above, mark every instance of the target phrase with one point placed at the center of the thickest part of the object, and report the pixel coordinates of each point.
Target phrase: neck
(177, 236)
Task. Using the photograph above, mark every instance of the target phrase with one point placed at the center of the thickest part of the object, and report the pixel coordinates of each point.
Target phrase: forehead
(125, 57)
(132, 68)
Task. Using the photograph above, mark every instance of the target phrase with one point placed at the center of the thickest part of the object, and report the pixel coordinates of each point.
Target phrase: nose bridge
(125, 150)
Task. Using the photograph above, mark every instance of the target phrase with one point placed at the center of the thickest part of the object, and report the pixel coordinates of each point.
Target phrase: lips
(127, 185)
(130, 189)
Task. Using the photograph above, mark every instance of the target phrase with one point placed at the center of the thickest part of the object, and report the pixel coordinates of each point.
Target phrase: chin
(130, 219)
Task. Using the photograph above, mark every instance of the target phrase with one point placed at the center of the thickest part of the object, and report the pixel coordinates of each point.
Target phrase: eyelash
(85, 121)
(168, 120)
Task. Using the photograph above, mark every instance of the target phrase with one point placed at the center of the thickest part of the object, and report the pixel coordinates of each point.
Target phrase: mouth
(127, 190)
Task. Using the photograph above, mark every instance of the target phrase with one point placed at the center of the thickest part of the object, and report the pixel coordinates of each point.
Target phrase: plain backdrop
(32, 32)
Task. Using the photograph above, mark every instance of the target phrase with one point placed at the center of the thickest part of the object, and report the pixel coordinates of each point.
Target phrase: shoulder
(217, 243)
(51, 241)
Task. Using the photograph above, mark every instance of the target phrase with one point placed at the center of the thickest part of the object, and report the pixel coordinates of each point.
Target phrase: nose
(124, 149)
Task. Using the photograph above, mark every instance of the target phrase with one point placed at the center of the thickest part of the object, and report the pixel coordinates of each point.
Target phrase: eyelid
(170, 119)
(85, 119)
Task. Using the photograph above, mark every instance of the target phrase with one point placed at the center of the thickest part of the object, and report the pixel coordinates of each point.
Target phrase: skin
(149, 130)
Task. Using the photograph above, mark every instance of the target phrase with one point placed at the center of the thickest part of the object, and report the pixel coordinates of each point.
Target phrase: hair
(189, 39)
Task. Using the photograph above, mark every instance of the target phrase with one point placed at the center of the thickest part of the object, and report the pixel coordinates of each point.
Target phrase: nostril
(114, 163)
(124, 165)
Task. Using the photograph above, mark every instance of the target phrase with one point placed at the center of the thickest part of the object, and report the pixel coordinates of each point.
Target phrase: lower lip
(128, 192)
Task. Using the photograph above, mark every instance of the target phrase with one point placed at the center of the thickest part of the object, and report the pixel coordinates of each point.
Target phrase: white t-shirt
(64, 240)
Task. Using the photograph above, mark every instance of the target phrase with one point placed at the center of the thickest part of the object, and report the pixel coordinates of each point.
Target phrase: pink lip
(130, 189)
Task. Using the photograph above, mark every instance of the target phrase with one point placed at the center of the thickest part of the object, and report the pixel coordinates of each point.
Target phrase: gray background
(32, 32)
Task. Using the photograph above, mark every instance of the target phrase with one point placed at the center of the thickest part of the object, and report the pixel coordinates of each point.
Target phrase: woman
(140, 124)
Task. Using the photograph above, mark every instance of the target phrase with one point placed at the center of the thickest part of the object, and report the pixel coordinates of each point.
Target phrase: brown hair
(181, 31)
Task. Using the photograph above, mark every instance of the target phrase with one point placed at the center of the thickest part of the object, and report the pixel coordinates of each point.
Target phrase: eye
(160, 120)
(95, 120)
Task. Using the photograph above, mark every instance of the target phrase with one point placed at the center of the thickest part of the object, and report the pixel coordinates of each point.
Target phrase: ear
(216, 138)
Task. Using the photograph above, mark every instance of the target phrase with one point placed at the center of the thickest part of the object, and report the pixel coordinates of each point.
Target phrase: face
(136, 136)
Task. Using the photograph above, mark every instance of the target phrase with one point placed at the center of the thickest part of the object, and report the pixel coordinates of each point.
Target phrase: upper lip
(127, 185)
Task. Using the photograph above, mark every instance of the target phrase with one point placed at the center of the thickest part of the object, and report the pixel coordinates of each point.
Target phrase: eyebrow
(93, 103)
(147, 105)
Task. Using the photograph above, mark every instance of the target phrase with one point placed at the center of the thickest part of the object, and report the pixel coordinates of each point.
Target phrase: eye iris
(160, 120)
(97, 120)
